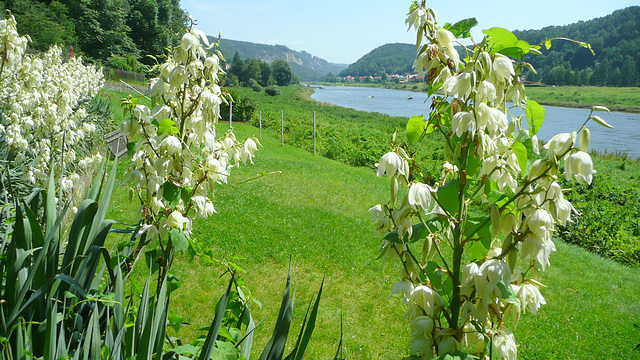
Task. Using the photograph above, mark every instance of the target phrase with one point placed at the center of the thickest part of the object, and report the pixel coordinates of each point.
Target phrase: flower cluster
(495, 206)
(43, 120)
(177, 159)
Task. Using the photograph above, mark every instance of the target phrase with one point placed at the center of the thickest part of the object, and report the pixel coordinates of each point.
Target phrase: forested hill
(304, 65)
(615, 39)
(389, 59)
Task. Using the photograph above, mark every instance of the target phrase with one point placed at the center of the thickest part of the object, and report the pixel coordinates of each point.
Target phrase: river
(623, 139)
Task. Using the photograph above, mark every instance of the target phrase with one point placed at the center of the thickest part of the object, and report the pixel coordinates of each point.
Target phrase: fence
(281, 127)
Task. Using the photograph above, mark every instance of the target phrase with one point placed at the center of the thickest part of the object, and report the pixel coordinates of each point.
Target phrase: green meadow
(292, 205)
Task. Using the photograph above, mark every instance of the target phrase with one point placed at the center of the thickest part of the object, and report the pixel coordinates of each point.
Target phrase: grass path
(315, 212)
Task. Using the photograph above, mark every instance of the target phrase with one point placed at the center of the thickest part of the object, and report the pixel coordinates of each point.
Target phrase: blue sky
(343, 31)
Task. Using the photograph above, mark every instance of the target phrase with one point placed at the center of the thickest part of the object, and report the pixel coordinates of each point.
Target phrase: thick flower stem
(455, 295)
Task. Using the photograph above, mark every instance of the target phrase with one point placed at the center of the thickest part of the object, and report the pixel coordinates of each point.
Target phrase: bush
(243, 107)
(608, 224)
(256, 87)
(272, 91)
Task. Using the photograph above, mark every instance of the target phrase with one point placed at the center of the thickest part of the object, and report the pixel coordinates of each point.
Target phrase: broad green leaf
(131, 147)
(167, 126)
(185, 350)
(497, 198)
(448, 197)
(521, 153)
(501, 36)
(481, 240)
(179, 240)
(535, 116)
(462, 29)
(171, 193)
(415, 128)
(547, 44)
(511, 51)
(600, 121)
(225, 350)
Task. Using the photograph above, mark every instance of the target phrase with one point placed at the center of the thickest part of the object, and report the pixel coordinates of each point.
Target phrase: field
(314, 211)
(617, 99)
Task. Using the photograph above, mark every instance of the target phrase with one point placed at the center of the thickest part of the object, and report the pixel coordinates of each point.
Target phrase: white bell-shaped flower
(390, 163)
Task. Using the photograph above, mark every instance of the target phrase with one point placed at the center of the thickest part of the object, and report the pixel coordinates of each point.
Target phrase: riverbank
(617, 99)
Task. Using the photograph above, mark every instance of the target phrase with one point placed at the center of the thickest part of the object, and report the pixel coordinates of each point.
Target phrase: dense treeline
(252, 72)
(101, 29)
(385, 59)
(615, 39)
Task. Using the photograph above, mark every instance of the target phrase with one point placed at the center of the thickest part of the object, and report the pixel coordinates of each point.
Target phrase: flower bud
(585, 136)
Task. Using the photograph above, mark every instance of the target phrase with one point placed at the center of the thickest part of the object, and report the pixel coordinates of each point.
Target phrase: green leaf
(497, 198)
(474, 161)
(179, 240)
(212, 334)
(415, 127)
(448, 197)
(167, 126)
(185, 350)
(521, 153)
(507, 293)
(458, 355)
(547, 44)
(150, 258)
(171, 193)
(511, 51)
(479, 246)
(500, 36)
(462, 29)
(131, 147)
(535, 116)
(225, 350)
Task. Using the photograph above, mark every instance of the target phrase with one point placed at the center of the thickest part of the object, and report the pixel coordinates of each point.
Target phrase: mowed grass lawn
(315, 212)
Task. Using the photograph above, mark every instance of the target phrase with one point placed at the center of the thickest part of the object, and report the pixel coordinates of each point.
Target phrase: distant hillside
(304, 65)
(389, 59)
(614, 38)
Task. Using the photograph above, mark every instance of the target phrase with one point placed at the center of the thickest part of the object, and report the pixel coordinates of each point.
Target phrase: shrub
(272, 91)
(256, 87)
(243, 107)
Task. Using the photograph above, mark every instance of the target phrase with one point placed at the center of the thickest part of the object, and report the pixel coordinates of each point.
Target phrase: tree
(101, 27)
(252, 70)
(237, 65)
(281, 72)
(46, 24)
(266, 76)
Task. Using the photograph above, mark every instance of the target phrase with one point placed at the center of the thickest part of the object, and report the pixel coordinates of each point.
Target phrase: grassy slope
(316, 212)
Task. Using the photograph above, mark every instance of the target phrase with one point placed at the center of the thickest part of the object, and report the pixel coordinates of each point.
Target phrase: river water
(623, 139)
